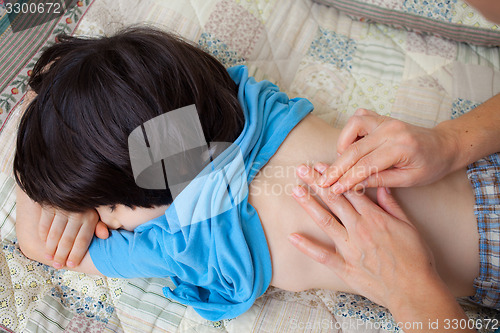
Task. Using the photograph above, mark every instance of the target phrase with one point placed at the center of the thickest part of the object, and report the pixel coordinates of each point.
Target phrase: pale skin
(67, 235)
(396, 154)
(444, 221)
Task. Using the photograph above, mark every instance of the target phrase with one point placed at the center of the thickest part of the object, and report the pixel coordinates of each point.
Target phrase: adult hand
(370, 255)
(67, 236)
(379, 151)
(379, 254)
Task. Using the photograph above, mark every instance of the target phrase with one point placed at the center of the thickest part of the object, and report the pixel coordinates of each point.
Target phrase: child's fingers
(101, 230)
(56, 230)
(81, 244)
(66, 243)
(45, 222)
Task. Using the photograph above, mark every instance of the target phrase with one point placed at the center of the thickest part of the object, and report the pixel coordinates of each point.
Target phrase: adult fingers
(356, 151)
(326, 257)
(81, 244)
(389, 178)
(323, 218)
(336, 203)
(365, 112)
(358, 125)
(361, 203)
(56, 230)
(46, 218)
(367, 166)
(389, 204)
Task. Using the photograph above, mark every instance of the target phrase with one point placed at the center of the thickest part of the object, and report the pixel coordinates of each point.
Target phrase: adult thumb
(387, 178)
(389, 204)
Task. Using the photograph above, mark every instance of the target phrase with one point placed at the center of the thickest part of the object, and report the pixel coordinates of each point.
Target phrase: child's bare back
(442, 212)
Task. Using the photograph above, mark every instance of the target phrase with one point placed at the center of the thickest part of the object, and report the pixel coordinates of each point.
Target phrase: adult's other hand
(379, 254)
(379, 151)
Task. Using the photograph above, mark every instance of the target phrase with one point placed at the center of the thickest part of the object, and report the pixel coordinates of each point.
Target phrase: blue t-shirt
(220, 263)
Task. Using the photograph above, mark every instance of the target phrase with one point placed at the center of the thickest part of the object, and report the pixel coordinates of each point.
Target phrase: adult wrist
(415, 290)
(430, 300)
(452, 145)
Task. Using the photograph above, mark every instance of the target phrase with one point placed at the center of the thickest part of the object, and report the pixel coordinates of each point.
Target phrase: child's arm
(28, 215)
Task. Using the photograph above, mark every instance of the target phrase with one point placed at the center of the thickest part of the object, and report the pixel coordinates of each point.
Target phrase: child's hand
(67, 236)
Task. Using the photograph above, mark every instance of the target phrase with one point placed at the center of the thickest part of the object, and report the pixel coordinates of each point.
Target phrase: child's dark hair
(72, 148)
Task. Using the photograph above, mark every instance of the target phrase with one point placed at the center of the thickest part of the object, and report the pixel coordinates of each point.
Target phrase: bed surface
(308, 50)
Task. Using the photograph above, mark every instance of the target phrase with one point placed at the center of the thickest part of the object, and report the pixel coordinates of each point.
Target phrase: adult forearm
(475, 134)
(430, 308)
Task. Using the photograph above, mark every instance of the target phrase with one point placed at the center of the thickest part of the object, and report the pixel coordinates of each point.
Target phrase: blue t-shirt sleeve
(128, 254)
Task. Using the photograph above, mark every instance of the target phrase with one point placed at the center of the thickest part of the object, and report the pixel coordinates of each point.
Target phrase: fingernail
(337, 188)
(320, 167)
(56, 265)
(322, 180)
(49, 257)
(358, 187)
(294, 238)
(298, 191)
(302, 170)
(388, 190)
(70, 264)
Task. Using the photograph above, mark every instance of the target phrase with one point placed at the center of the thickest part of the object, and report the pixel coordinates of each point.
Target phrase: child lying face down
(72, 153)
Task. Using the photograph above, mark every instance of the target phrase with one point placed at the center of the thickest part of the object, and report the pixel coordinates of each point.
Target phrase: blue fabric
(220, 264)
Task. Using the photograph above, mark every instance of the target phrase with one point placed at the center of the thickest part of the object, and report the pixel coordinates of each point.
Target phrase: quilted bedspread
(307, 49)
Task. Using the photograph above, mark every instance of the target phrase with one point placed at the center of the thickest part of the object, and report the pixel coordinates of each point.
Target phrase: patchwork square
(368, 93)
(436, 9)
(478, 55)
(461, 106)
(431, 45)
(377, 56)
(333, 48)
(234, 25)
(324, 84)
(219, 50)
(83, 324)
(426, 95)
